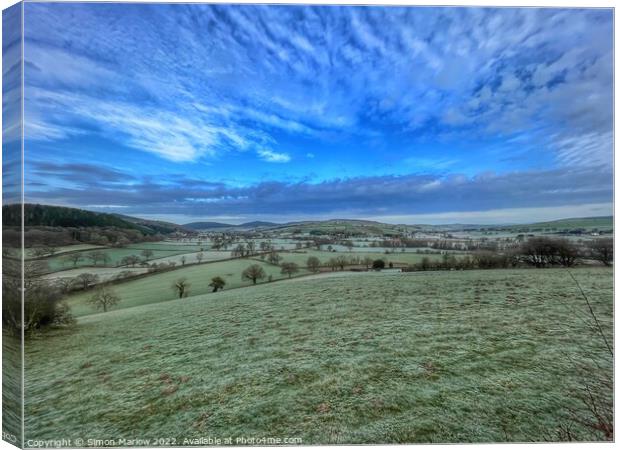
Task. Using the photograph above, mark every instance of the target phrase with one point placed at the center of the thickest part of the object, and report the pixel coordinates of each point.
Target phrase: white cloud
(274, 157)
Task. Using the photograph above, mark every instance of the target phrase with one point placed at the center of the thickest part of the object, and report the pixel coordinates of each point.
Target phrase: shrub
(378, 264)
(43, 305)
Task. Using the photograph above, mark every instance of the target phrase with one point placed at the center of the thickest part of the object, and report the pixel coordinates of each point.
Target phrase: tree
(378, 264)
(217, 283)
(42, 304)
(332, 263)
(341, 261)
(426, 263)
(122, 242)
(313, 264)
(104, 298)
(274, 258)
(181, 287)
(147, 254)
(238, 251)
(349, 245)
(567, 252)
(199, 257)
(65, 284)
(87, 279)
(251, 248)
(367, 261)
(253, 273)
(183, 260)
(97, 256)
(289, 268)
(538, 251)
(602, 250)
(130, 260)
(74, 258)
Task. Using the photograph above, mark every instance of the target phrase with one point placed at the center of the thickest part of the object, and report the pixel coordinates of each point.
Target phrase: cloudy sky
(237, 113)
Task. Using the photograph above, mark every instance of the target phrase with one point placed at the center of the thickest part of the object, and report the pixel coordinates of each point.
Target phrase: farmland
(349, 333)
(472, 356)
(157, 287)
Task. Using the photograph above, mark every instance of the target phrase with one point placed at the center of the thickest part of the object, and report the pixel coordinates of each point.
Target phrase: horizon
(239, 113)
(236, 222)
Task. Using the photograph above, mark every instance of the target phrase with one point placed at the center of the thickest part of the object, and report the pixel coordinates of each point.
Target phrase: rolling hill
(220, 226)
(36, 215)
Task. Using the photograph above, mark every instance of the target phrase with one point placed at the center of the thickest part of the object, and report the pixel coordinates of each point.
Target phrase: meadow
(473, 356)
(59, 262)
(157, 287)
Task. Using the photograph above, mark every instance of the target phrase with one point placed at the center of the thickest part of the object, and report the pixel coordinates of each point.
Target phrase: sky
(398, 114)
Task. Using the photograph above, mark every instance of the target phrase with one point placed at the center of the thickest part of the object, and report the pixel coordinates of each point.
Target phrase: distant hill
(219, 225)
(156, 225)
(258, 224)
(60, 216)
(207, 225)
(352, 227)
(576, 223)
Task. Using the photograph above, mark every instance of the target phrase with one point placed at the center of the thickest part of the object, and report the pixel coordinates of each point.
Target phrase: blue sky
(237, 113)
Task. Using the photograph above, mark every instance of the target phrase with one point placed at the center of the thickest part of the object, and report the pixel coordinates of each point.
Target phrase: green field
(475, 356)
(157, 287)
(59, 262)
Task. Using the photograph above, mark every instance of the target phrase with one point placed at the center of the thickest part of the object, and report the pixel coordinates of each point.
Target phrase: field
(472, 356)
(58, 262)
(158, 287)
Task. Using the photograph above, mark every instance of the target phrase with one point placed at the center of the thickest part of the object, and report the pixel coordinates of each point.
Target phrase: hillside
(344, 226)
(218, 225)
(156, 225)
(579, 223)
(59, 216)
(479, 356)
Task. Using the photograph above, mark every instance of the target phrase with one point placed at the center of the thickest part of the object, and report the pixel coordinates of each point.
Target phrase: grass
(57, 263)
(397, 257)
(157, 287)
(473, 356)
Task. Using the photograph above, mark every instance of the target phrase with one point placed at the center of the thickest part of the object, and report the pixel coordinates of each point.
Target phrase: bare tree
(199, 257)
(183, 260)
(274, 258)
(147, 254)
(74, 258)
(603, 250)
(87, 279)
(65, 284)
(253, 273)
(566, 252)
(251, 246)
(341, 261)
(238, 252)
(313, 264)
(130, 260)
(104, 298)
(181, 287)
(367, 261)
(289, 268)
(97, 256)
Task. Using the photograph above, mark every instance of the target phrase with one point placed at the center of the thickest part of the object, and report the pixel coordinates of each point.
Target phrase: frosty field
(418, 357)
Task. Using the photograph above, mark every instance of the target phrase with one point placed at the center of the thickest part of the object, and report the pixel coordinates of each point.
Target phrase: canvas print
(242, 225)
